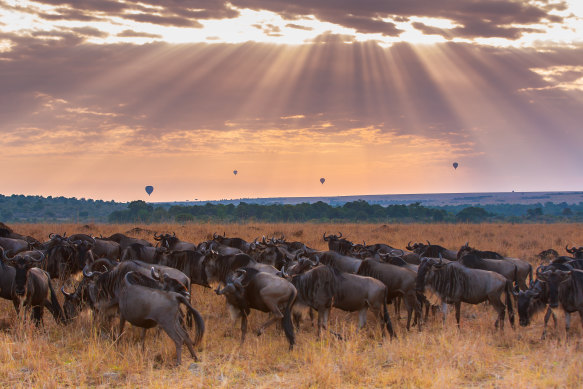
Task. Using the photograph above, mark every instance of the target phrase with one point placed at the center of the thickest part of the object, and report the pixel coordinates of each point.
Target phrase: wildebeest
(188, 262)
(249, 288)
(147, 307)
(506, 269)
(31, 287)
(338, 243)
(237, 243)
(217, 267)
(400, 282)
(432, 250)
(324, 286)
(171, 242)
(455, 283)
(14, 245)
(341, 262)
(124, 241)
(533, 300)
(466, 249)
(143, 253)
(566, 289)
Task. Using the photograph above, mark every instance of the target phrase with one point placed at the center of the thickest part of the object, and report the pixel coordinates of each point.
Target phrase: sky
(99, 98)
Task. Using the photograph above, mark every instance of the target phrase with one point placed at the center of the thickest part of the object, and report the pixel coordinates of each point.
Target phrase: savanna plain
(477, 355)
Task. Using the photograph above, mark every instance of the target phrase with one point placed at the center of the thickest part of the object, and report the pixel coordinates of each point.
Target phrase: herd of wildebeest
(150, 286)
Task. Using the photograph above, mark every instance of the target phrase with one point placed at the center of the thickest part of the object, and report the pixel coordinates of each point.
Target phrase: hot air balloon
(455, 165)
(149, 189)
(235, 172)
(322, 180)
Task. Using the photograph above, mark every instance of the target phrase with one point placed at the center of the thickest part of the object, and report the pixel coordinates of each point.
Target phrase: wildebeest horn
(173, 233)
(317, 260)
(88, 274)
(326, 239)
(65, 293)
(570, 251)
(154, 275)
(339, 234)
(263, 240)
(157, 237)
(215, 235)
(467, 244)
(42, 256)
(214, 252)
(51, 235)
(408, 247)
(429, 243)
(283, 272)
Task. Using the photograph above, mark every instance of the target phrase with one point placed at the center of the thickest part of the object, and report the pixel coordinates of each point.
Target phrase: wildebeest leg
(37, 315)
(122, 322)
(175, 336)
(567, 323)
(144, 339)
(500, 309)
(397, 304)
(186, 339)
(458, 306)
(277, 316)
(243, 326)
(362, 317)
(547, 315)
(444, 311)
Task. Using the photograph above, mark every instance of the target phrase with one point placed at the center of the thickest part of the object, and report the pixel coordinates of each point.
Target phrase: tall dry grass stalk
(440, 356)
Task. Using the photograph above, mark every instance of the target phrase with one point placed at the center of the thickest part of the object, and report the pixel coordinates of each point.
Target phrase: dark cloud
(163, 12)
(373, 16)
(298, 27)
(90, 31)
(137, 34)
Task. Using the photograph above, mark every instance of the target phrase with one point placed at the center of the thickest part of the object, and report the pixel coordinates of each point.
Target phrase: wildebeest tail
(56, 309)
(197, 318)
(387, 319)
(286, 322)
(516, 286)
(509, 307)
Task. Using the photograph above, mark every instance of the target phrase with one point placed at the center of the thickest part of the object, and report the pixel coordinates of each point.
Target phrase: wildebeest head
(553, 277)
(530, 301)
(83, 256)
(577, 252)
(424, 272)
(75, 300)
(233, 284)
(22, 264)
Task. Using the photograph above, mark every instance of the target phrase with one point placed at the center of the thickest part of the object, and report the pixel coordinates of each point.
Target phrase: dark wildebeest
(217, 267)
(341, 262)
(7, 232)
(523, 268)
(143, 253)
(14, 245)
(576, 252)
(237, 243)
(31, 287)
(566, 289)
(249, 288)
(547, 255)
(172, 243)
(147, 307)
(533, 300)
(338, 243)
(324, 286)
(506, 269)
(455, 283)
(432, 250)
(400, 282)
(124, 240)
(188, 262)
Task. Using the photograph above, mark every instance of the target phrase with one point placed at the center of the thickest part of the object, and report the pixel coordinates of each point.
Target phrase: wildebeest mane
(473, 262)
(370, 268)
(224, 265)
(571, 291)
(135, 278)
(397, 261)
(449, 281)
(317, 280)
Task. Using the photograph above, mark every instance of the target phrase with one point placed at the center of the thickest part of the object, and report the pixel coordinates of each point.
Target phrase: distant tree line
(33, 209)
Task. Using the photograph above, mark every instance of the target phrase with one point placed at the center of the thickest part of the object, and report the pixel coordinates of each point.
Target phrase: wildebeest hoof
(259, 332)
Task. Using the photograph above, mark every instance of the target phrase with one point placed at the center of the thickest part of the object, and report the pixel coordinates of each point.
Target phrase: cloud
(479, 18)
(138, 34)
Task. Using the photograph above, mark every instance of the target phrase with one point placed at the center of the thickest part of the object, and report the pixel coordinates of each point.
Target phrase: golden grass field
(475, 356)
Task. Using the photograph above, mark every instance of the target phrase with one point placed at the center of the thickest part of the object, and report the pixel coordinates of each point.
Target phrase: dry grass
(79, 355)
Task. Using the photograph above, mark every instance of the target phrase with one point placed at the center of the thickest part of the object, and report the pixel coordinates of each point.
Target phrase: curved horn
(570, 251)
(408, 247)
(326, 239)
(215, 235)
(339, 234)
(173, 234)
(88, 274)
(51, 235)
(154, 275)
(283, 272)
(42, 256)
(65, 293)
(429, 243)
(157, 237)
